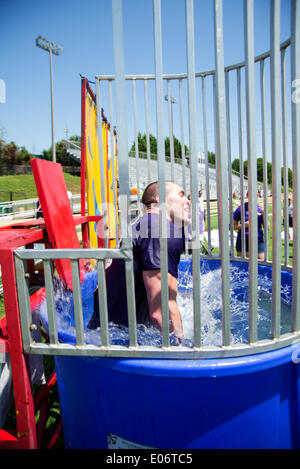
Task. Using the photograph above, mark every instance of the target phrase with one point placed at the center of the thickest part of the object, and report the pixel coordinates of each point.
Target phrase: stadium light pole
(172, 101)
(55, 49)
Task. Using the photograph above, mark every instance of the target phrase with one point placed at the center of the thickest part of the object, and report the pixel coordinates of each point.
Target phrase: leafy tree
(290, 177)
(62, 156)
(260, 172)
(211, 157)
(260, 169)
(10, 153)
(75, 139)
(236, 165)
(142, 145)
(177, 148)
(24, 155)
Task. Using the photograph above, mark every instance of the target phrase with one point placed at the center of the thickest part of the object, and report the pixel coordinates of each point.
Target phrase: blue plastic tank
(245, 402)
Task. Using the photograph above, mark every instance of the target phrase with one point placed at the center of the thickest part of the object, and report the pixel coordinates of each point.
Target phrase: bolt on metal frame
(223, 121)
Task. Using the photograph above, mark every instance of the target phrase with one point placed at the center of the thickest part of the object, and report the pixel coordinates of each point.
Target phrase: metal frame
(55, 347)
(222, 121)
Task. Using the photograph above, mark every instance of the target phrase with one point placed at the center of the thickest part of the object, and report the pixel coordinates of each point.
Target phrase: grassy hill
(22, 184)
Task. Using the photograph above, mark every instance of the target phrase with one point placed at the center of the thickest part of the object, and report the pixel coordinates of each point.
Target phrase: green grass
(2, 309)
(22, 184)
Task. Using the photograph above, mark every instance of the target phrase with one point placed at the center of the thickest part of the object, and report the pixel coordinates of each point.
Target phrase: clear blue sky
(84, 30)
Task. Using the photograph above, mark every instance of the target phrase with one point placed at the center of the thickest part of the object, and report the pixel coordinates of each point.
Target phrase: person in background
(237, 225)
(290, 210)
(201, 212)
(38, 213)
(146, 254)
(235, 201)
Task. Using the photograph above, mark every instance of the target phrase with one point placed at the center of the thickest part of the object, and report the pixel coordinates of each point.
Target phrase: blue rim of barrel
(208, 367)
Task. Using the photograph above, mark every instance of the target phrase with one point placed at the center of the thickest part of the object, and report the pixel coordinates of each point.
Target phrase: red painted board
(7, 440)
(58, 217)
(16, 238)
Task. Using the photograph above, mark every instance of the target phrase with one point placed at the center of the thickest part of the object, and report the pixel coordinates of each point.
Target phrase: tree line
(11, 155)
(260, 173)
(142, 146)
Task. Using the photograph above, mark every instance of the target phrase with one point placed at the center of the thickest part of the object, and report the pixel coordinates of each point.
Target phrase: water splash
(211, 306)
(211, 310)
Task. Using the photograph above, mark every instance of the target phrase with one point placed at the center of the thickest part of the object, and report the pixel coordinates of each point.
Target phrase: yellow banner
(93, 174)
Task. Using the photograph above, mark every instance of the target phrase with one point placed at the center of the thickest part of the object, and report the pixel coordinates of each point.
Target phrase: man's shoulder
(146, 226)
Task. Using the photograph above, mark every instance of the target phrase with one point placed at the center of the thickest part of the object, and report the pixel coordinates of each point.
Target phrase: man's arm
(152, 282)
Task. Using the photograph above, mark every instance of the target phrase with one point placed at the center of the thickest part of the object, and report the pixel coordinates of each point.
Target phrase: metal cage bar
(24, 303)
(182, 134)
(136, 144)
(50, 301)
(102, 299)
(241, 152)
(295, 74)
(78, 313)
(223, 169)
(230, 188)
(285, 150)
(170, 116)
(222, 121)
(193, 166)
(147, 128)
(276, 166)
(264, 154)
(206, 162)
(161, 172)
(126, 235)
(252, 173)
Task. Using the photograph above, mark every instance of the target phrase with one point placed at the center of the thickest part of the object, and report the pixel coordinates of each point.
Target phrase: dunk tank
(234, 380)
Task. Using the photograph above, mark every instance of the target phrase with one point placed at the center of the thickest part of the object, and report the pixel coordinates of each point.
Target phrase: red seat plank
(58, 217)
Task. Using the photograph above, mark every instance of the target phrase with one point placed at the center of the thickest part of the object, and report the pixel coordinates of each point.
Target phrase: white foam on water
(211, 306)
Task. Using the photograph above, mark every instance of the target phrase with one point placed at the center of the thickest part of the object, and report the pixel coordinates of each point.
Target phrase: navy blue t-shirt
(146, 253)
(237, 216)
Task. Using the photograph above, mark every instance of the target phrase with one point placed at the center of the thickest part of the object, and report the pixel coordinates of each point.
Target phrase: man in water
(146, 253)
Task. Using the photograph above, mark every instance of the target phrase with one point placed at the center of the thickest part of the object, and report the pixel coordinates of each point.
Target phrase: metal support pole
(252, 172)
(222, 163)
(189, 6)
(55, 49)
(161, 172)
(276, 164)
(117, 17)
(295, 74)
